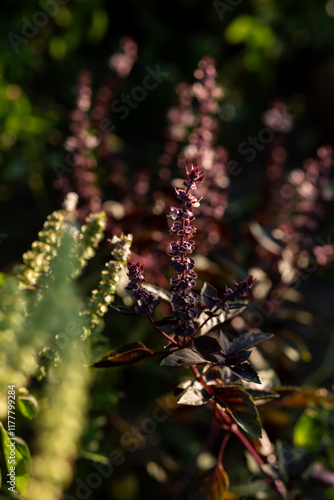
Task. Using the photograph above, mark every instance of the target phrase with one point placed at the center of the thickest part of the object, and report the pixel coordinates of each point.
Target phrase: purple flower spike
(183, 298)
(146, 300)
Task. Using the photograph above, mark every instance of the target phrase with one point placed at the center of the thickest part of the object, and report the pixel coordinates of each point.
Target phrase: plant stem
(276, 484)
(173, 341)
(222, 448)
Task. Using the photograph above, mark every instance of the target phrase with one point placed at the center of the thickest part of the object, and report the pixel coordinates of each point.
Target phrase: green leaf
(195, 394)
(248, 340)
(250, 30)
(308, 431)
(241, 407)
(27, 405)
(16, 453)
(94, 457)
(129, 353)
(183, 357)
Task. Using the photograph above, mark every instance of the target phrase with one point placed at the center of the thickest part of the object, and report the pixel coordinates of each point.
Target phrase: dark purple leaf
(241, 407)
(183, 357)
(165, 321)
(208, 295)
(246, 372)
(224, 342)
(262, 394)
(206, 344)
(248, 340)
(124, 310)
(129, 353)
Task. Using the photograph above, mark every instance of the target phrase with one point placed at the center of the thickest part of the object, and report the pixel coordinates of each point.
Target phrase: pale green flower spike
(101, 297)
(36, 261)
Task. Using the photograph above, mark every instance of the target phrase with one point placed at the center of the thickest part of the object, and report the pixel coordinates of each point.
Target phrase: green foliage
(19, 460)
(314, 431)
(27, 405)
(43, 334)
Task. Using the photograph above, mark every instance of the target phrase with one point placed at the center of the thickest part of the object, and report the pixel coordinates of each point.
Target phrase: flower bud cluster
(239, 291)
(104, 295)
(183, 298)
(146, 300)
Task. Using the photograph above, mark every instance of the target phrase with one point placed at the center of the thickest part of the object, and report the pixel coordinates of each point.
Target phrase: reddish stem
(159, 329)
(276, 484)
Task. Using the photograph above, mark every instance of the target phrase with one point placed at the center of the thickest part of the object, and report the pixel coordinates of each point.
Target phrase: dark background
(263, 49)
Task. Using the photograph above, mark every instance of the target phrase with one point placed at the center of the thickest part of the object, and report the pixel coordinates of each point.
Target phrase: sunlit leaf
(248, 340)
(262, 394)
(20, 460)
(296, 397)
(308, 431)
(129, 353)
(159, 293)
(183, 357)
(214, 485)
(27, 405)
(94, 457)
(216, 322)
(208, 292)
(195, 394)
(250, 30)
(224, 342)
(211, 323)
(241, 407)
(246, 372)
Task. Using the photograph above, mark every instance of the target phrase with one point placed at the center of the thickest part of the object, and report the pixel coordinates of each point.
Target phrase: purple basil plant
(221, 375)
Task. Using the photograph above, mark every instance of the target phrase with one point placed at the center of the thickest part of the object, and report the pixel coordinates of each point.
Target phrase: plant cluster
(223, 377)
(238, 282)
(45, 334)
